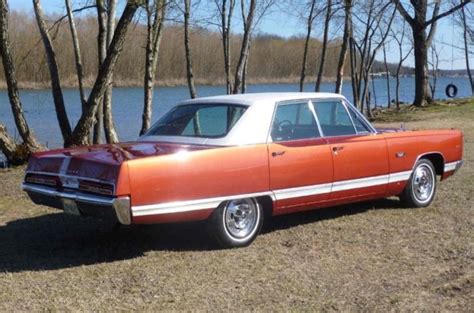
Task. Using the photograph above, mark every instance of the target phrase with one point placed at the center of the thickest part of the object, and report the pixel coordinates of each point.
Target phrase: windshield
(198, 120)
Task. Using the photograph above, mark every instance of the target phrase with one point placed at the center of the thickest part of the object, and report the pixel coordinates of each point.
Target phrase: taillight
(42, 180)
(98, 188)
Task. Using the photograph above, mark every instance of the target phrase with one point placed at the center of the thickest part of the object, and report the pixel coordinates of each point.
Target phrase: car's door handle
(278, 153)
(337, 148)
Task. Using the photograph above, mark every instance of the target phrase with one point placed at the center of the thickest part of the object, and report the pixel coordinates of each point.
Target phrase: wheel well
(437, 160)
(267, 205)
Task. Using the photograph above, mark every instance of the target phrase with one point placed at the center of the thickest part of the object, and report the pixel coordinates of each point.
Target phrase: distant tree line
(199, 41)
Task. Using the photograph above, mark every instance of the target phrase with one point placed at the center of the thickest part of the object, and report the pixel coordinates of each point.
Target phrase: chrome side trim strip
(400, 176)
(302, 191)
(452, 166)
(360, 183)
(191, 205)
(281, 194)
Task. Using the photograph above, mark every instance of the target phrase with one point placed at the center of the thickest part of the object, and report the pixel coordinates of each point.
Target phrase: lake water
(128, 103)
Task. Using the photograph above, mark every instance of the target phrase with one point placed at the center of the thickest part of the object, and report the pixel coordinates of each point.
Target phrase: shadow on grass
(57, 241)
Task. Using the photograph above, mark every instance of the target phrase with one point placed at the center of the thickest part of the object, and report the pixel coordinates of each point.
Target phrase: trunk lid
(100, 162)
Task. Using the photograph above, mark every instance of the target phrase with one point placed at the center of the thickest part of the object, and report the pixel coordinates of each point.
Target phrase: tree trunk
(101, 52)
(15, 154)
(187, 48)
(246, 67)
(319, 78)
(422, 93)
(244, 50)
(309, 28)
(387, 77)
(110, 131)
(226, 18)
(154, 34)
(466, 49)
(82, 130)
(77, 53)
(345, 42)
(12, 85)
(54, 72)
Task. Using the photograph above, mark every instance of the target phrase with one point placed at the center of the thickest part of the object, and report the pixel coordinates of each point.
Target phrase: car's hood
(100, 161)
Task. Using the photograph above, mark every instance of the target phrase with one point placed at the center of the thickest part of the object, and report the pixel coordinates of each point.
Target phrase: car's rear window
(198, 120)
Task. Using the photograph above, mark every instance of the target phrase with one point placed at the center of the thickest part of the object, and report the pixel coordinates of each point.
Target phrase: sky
(284, 25)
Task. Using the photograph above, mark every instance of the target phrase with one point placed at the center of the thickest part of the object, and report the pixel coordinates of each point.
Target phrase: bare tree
(54, 72)
(244, 51)
(309, 29)
(77, 53)
(419, 23)
(374, 19)
(387, 75)
(399, 36)
(225, 9)
(82, 130)
(187, 49)
(7, 145)
(434, 63)
(322, 61)
(110, 132)
(101, 52)
(155, 16)
(345, 43)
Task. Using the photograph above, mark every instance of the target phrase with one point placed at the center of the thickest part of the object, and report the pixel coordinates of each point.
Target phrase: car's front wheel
(236, 223)
(421, 187)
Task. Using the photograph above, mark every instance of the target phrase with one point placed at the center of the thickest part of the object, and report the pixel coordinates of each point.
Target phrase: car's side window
(294, 121)
(333, 118)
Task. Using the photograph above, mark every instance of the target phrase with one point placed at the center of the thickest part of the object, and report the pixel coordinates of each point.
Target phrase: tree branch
(450, 11)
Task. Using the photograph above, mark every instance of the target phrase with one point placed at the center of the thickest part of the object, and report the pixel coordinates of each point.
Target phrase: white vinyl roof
(254, 125)
(263, 97)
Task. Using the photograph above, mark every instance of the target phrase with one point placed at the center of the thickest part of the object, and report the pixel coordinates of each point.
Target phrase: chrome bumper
(79, 203)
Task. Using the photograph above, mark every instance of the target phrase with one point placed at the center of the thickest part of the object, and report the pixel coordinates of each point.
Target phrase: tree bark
(16, 154)
(466, 49)
(154, 34)
(226, 18)
(110, 131)
(345, 42)
(12, 85)
(83, 127)
(187, 48)
(77, 53)
(54, 72)
(327, 20)
(309, 28)
(244, 50)
(101, 52)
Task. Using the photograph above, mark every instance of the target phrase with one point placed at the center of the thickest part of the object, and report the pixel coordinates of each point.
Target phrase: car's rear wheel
(236, 223)
(421, 187)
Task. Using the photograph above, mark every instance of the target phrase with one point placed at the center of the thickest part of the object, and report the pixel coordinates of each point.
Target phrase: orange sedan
(233, 160)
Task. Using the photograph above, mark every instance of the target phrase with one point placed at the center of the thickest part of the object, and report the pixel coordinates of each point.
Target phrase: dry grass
(371, 256)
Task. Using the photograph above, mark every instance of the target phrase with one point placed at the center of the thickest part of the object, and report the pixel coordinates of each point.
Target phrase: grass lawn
(371, 256)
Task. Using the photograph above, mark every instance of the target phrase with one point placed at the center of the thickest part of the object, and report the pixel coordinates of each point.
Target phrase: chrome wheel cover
(423, 183)
(241, 218)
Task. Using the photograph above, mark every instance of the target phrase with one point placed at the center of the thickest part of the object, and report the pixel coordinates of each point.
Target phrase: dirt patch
(371, 256)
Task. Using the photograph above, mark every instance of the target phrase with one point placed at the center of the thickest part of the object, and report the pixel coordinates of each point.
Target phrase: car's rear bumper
(79, 203)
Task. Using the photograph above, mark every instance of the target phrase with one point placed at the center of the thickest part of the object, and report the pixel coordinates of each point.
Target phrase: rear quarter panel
(448, 143)
(209, 173)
